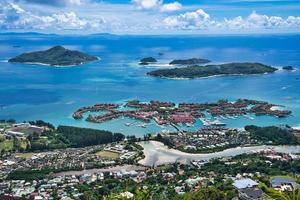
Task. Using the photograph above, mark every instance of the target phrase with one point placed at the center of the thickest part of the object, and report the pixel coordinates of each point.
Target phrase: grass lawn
(6, 145)
(25, 155)
(108, 154)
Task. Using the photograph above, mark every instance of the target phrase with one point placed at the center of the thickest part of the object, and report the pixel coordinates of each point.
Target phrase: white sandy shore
(57, 66)
(158, 154)
(276, 108)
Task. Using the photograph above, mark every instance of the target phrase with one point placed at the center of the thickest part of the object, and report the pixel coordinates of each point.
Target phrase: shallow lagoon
(30, 92)
(158, 154)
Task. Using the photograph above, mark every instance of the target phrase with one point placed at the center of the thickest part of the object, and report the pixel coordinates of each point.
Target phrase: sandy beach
(158, 154)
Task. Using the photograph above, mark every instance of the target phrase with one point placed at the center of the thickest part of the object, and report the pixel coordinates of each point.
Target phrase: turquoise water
(29, 92)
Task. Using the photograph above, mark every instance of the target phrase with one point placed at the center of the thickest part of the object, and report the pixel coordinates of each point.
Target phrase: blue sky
(151, 16)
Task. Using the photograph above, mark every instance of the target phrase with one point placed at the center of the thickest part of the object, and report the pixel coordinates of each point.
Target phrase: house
(244, 183)
(253, 193)
(127, 195)
(284, 184)
(3, 187)
(248, 189)
(6, 197)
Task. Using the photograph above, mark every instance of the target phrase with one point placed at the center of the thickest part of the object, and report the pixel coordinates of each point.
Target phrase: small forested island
(288, 68)
(191, 61)
(147, 61)
(55, 56)
(197, 71)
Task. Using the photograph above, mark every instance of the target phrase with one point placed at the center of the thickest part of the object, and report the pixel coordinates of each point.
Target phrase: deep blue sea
(30, 92)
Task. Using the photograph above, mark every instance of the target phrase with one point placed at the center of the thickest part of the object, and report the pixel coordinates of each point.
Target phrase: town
(237, 174)
(73, 171)
(183, 113)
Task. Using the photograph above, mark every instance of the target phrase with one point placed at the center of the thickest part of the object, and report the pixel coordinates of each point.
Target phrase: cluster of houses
(72, 158)
(274, 155)
(64, 186)
(21, 130)
(208, 138)
(120, 149)
(248, 189)
(185, 113)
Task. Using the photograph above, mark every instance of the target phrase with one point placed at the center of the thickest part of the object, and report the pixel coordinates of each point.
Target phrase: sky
(150, 16)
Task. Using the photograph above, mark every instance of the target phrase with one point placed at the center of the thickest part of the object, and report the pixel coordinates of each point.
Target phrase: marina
(116, 80)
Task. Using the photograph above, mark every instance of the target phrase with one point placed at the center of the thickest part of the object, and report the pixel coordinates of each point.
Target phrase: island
(288, 68)
(147, 61)
(191, 61)
(168, 113)
(55, 56)
(197, 71)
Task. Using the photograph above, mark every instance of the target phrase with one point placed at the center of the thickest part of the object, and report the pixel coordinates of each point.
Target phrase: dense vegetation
(275, 194)
(52, 138)
(191, 61)
(212, 70)
(28, 175)
(80, 137)
(146, 61)
(289, 68)
(41, 123)
(158, 187)
(251, 163)
(272, 134)
(57, 55)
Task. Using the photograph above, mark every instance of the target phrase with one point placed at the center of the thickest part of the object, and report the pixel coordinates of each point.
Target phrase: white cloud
(257, 21)
(171, 7)
(200, 20)
(189, 20)
(55, 2)
(123, 18)
(75, 2)
(147, 4)
(12, 16)
(157, 5)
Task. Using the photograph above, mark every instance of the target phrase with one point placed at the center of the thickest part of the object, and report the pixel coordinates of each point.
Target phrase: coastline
(207, 77)
(55, 66)
(279, 70)
(156, 153)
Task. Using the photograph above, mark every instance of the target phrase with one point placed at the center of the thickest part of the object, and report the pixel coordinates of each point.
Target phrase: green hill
(55, 56)
(197, 71)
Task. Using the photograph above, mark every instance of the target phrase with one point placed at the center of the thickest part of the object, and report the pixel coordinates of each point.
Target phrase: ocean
(31, 92)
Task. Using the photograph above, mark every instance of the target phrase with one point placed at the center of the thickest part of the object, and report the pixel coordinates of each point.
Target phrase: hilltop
(55, 56)
(197, 71)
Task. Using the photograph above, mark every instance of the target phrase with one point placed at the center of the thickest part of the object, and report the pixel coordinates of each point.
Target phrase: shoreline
(55, 66)
(279, 70)
(207, 77)
(156, 153)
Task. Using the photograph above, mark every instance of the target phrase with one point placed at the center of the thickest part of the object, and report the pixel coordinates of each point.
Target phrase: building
(253, 193)
(244, 183)
(248, 189)
(284, 184)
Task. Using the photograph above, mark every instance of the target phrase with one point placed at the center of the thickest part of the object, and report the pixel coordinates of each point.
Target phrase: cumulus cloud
(117, 18)
(54, 2)
(12, 16)
(257, 21)
(147, 4)
(200, 20)
(189, 20)
(157, 4)
(171, 7)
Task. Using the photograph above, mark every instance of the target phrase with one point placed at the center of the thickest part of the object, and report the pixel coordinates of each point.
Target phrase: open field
(6, 145)
(108, 154)
(25, 155)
